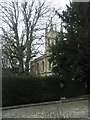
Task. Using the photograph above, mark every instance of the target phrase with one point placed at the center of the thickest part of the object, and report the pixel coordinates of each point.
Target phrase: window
(49, 65)
(42, 66)
(37, 67)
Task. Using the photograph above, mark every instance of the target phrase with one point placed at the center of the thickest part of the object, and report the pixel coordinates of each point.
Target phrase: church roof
(39, 58)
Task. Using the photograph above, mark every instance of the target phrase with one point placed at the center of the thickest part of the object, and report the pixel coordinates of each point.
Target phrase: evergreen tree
(71, 57)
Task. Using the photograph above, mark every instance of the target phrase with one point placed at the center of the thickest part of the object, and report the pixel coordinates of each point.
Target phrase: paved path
(73, 109)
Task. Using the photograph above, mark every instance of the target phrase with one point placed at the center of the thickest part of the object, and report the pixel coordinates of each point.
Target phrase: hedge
(18, 90)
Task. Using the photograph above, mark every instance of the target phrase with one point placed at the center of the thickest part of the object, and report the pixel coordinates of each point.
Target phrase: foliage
(71, 54)
(22, 90)
(18, 90)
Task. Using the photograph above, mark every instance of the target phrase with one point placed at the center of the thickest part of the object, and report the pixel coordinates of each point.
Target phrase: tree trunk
(21, 69)
(28, 56)
(27, 67)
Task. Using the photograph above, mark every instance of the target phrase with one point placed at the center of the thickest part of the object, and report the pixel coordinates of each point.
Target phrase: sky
(60, 3)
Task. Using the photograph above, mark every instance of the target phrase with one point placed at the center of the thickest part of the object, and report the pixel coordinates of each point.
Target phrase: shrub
(28, 89)
(21, 90)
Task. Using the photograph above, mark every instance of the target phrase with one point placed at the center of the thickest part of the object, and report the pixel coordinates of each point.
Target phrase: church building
(41, 65)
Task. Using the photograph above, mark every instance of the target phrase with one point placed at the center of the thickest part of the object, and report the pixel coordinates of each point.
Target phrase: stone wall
(41, 66)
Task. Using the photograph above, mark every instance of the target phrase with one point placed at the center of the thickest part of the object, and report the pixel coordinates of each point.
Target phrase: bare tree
(21, 23)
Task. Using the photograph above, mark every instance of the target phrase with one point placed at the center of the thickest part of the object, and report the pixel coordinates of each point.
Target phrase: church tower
(50, 35)
(41, 66)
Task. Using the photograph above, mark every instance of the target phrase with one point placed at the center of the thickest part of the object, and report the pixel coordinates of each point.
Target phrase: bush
(27, 89)
(74, 88)
(21, 90)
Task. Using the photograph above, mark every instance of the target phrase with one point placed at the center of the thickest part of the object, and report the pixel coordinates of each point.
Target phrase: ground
(57, 109)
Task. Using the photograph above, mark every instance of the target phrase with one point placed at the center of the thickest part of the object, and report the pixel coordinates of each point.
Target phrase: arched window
(49, 65)
(37, 67)
(42, 66)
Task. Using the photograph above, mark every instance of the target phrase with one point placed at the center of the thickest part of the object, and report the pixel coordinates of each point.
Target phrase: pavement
(65, 108)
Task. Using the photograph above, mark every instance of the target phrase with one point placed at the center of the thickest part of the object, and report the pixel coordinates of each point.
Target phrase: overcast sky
(60, 3)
